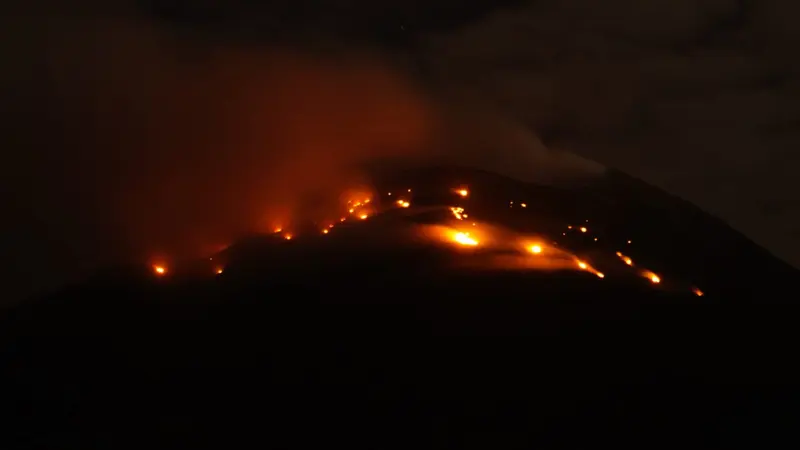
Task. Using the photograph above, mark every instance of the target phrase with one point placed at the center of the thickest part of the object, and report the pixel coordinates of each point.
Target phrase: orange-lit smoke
(167, 143)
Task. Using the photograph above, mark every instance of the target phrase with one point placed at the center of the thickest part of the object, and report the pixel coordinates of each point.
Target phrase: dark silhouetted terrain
(370, 337)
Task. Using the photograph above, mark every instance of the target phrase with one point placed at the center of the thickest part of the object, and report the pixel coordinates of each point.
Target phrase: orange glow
(457, 212)
(464, 239)
(583, 230)
(278, 229)
(600, 274)
(219, 271)
(403, 204)
(287, 236)
(523, 205)
(342, 219)
(351, 210)
(330, 225)
(626, 259)
(160, 270)
(363, 216)
(536, 249)
(325, 231)
(655, 279)
(583, 265)
(462, 192)
(697, 292)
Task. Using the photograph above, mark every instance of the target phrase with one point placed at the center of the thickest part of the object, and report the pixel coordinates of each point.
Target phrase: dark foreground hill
(369, 337)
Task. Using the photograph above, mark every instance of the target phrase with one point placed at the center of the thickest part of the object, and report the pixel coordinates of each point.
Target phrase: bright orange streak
(462, 192)
(278, 229)
(626, 259)
(582, 265)
(464, 239)
(341, 219)
(600, 275)
(654, 278)
(523, 205)
(457, 212)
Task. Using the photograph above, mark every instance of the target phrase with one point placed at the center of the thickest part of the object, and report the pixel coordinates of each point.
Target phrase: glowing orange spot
(351, 210)
(600, 275)
(287, 236)
(464, 239)
(403, 204)
(626, 259)
(595, 239)
(278, 229)
(569, 227)
(342, 219)
(325, 231)
(654, 278)
(159, 270)
(523, 205)
(629, 242)
(219, 271)
(462, 192)
(390, 193)
(457, 212)
(536, 249)
(363, 216)
(583, 230)
(582, 265)
(697, 292)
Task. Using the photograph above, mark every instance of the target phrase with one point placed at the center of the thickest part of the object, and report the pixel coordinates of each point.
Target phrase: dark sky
(140, 128)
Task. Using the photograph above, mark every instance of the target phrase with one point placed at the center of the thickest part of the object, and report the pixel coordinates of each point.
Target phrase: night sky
(135, 128)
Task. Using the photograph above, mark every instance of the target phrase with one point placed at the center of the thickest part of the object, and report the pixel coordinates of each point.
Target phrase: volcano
(448, 307)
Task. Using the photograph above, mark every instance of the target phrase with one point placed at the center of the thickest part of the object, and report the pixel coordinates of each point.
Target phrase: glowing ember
(569, 227)
(287, 236)
(219, 271)
(330, 225)
(600, 275)
(583, 230)
(523, 205)
(464, 239)
(595, 239)
(409, 190)
(342, 219)
(325, 231)
(458, 212)
(626, 259)
(390, 193)
(536, 249)
(462, 192)
(583, 265)
(159, 270)
(351, 210)
(278, 229)
(403, 204)
(655, 279)
(697, 292)
(629, 242)
(363, 216)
